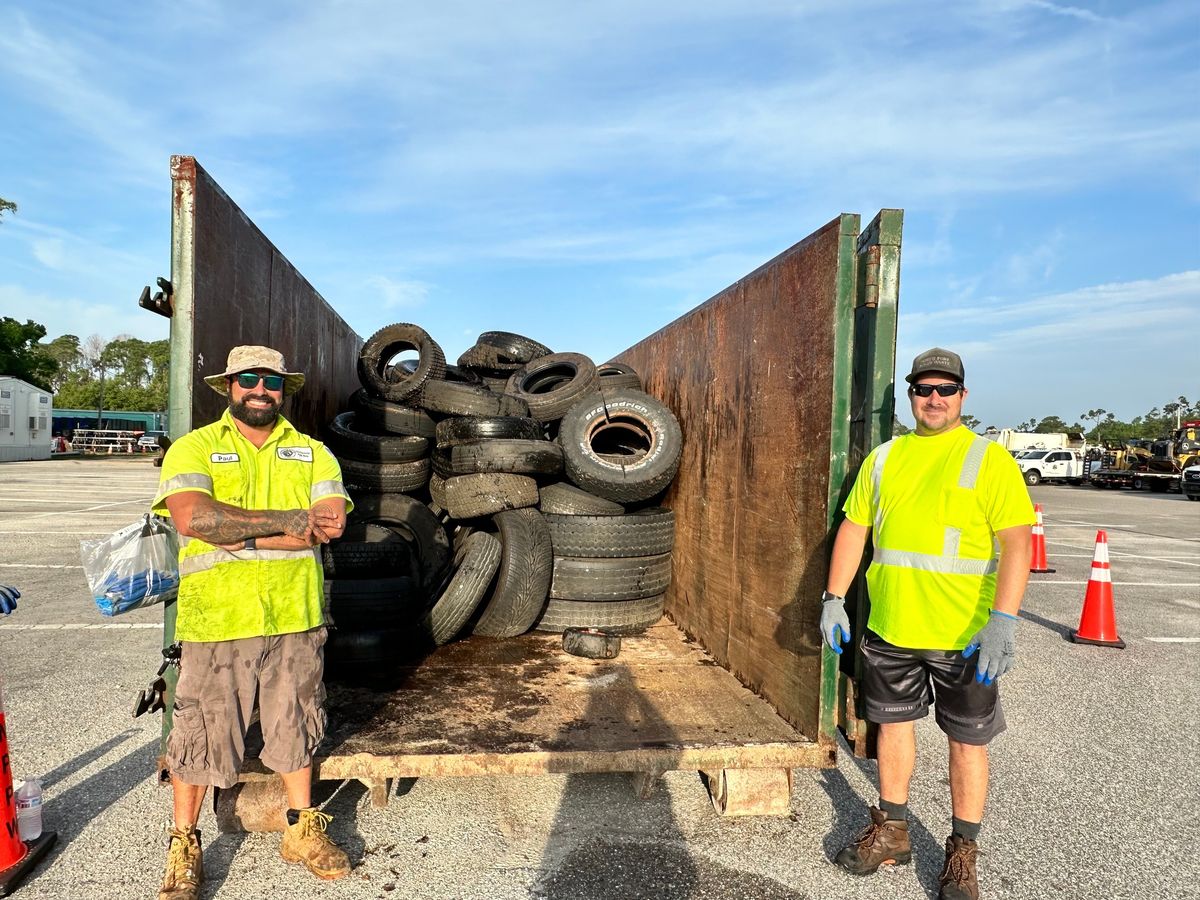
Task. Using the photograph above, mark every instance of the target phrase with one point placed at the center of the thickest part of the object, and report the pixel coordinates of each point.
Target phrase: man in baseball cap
(935, 505)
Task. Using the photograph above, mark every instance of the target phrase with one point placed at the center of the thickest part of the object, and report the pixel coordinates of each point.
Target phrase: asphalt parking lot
(1095, 786)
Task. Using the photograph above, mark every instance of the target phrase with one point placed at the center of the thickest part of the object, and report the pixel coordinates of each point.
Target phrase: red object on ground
(1038, 563)
(17, 858)
(1098, 623)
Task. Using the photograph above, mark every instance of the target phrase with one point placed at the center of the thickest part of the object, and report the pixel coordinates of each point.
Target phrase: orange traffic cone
(1038, 563)
(17, 857)
(1098, 624)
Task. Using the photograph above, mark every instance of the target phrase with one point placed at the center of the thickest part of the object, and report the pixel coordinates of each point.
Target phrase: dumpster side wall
(233, 286)
(753, 375)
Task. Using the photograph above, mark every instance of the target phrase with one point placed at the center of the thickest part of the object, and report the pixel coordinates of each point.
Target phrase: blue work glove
(835, 625)
(997, 645)
(8, 599)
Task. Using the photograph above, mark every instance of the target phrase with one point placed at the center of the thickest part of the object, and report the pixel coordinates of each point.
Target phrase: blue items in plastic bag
(134, 567)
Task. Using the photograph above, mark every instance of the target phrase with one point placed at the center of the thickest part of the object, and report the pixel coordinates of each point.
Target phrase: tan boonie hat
(250, 356)
(936, 360)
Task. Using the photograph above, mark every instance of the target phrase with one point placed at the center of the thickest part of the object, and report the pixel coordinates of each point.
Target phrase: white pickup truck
(1051, 465)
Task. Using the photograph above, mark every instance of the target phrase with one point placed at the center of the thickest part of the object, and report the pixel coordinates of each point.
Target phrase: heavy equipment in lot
(782, 383)
(1154, 464)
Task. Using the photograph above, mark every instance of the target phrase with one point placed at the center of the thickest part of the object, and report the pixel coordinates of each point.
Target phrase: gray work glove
(835, 625)
(8, 599)
(997, 645)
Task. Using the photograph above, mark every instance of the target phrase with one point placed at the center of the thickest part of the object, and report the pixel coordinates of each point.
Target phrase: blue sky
(585, 173)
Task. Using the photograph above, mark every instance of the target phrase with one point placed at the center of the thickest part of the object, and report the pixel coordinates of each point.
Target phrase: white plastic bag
(134, 567)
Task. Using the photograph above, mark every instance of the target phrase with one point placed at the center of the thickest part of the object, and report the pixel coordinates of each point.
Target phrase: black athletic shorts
(899, 684)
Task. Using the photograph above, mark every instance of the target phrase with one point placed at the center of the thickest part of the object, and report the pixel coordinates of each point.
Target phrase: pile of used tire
(513, 491)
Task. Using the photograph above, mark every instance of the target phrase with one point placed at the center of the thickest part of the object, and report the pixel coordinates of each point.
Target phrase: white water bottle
(29, 809)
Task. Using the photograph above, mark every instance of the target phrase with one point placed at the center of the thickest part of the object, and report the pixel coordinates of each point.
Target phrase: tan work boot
(959, 880)
(185, 866)
(883, 841)
(306, 842)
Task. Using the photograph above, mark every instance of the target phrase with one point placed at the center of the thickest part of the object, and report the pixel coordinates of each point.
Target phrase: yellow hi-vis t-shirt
(932, 578)
(227, 595)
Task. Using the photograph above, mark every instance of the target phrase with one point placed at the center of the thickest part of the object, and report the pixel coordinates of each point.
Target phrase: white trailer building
(26, 417)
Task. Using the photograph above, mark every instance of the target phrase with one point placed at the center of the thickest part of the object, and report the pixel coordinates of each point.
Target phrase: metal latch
(161, 301)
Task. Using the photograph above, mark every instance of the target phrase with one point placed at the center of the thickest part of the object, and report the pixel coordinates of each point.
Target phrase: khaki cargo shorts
(214, 704)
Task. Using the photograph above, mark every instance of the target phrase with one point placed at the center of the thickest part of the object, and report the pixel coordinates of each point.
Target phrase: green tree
(6, 206)
(20, 354)
(1051, 425)
(971, 422)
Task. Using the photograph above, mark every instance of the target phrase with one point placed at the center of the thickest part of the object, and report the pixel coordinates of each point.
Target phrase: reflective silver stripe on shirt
(326, 489)
(202, 562)
(949, 562)
(877, 480)
(926, 562)
(181, 482)
(973, 462)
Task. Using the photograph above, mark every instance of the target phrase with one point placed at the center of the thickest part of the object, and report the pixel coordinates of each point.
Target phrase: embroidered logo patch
(303, 454)
(224, 457)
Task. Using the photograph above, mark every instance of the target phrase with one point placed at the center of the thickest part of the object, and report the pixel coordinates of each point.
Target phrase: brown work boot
(883, 841)
(306, 842)
(959, 879)
(185, 866)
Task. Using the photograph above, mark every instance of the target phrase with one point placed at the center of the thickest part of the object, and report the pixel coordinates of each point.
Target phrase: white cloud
(1125, 346)
(64, 314)
(398, 294)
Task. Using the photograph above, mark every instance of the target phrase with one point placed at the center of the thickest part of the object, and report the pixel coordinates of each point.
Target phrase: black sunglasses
(250, 380)
(943, 390)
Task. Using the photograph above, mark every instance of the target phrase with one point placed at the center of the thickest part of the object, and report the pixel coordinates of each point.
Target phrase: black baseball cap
(936, 360)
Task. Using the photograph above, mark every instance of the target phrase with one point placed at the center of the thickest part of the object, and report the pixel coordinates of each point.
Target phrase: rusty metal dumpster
(781, 382)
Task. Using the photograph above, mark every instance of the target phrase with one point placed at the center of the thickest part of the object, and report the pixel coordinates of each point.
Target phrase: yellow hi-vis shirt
(935, 504)
(226, 595)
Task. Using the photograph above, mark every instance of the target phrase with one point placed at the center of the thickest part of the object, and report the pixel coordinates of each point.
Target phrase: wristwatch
(250, 544)
(826, 597)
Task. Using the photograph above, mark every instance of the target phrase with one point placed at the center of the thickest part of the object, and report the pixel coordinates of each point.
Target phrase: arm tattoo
(219, 523)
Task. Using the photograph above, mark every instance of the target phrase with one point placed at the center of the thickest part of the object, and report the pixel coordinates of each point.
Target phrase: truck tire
(591, 643)
(412, 519)
(1032, 477)
(348, 437)
(475, 565)
(523, 579)
(553, 384)
(380, 347)
(473, 496)
(565, 499)
(519, 457)
(514, 347)
(618, 376)
(367, 550)
(1137, 484)
(456, 399)
(647, 532)
(622, 445)
(392, 417)
(387, 478)
(621, 617)
(366, 604)
(362, 656)
(606, 580)
(469, 429)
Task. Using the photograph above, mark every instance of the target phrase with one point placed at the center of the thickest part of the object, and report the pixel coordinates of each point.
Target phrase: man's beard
(254, 416)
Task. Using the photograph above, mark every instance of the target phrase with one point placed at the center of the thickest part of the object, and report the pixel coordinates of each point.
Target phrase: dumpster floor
(524, 706)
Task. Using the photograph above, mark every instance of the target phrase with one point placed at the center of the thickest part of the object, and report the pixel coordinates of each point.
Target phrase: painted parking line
(1172, 640)
(24, 532)
(1128, 583)
(67, 512)
(35, 566)
(79, 626)
(1172, 560)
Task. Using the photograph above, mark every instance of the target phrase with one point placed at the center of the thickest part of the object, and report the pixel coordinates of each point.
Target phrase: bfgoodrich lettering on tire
(622, 445)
